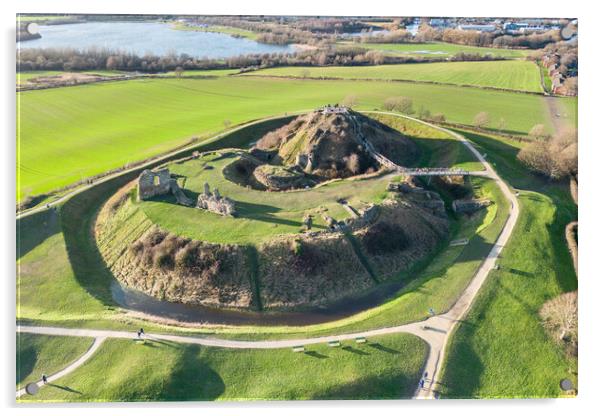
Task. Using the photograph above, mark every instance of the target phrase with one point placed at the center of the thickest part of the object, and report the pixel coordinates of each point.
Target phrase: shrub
(559, 317)
(383, 238)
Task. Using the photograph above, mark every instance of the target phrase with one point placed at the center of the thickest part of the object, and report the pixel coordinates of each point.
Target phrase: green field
(501, 349)
(66, 134)
(43, 354)
(513, 75)
(228, 30)
(438, 49)
(387, 367)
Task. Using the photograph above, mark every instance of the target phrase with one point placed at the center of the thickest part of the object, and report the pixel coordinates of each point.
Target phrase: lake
(148, 37)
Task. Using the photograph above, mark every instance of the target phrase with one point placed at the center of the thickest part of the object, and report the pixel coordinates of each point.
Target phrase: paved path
(436, 330)
(98, 340)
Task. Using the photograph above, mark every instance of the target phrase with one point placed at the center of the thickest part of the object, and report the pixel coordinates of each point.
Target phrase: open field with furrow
(67, 134)
(513, 75)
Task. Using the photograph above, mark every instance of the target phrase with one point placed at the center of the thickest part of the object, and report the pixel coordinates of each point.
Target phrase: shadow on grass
(34, 229)
(192, 379)
(315, 354)
(355, 350)
(67, 389)
(463, 368)
(381, 347)
(26, 360)
(389, 386)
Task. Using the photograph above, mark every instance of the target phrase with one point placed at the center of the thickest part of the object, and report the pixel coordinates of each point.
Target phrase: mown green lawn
(501, 349)
(66, 134)
(438, 49)
(43, 354)
(387, 367)
(514, 75)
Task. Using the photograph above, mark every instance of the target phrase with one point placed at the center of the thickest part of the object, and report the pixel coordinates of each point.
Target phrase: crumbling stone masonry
(151, 184)
(214, 202)
(469, 205)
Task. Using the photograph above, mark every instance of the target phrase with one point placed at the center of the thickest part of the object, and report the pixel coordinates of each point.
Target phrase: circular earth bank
(264, 258)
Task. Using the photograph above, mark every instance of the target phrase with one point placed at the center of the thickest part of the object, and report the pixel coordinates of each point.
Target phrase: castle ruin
(214, 202)
(151, 184)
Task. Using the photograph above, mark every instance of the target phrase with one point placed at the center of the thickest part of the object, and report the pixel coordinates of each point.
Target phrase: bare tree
(305, 73)
(350, 101)
(538, 132)
(555, 158)
(179, 71)
(482, 119)
(559, 317)
(402, 104)
(406, 105)
(391, 103)
(438, 118)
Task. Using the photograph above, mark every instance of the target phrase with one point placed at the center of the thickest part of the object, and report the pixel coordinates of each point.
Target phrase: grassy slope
(502, 350)
(515, 75)
(387, 367)
(43, 267)
(42, 354)
(69, 133)
(441, 49)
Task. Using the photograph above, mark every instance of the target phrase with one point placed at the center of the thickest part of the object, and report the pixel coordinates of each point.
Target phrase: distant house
(478, 28)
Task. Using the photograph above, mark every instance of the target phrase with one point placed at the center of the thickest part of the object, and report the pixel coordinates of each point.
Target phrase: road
(436, 330)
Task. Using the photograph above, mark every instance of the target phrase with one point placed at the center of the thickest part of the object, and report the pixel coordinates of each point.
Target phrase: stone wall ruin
(214, 202)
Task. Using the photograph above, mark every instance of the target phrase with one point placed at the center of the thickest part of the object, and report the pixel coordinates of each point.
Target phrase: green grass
(43, 267)
(43, 354)
(260, 214)
(438, 49)
(545, 75)
(66, 134)
(204, 72)
(501, 349)
(387, 367)
(514, 75)
(228, 30)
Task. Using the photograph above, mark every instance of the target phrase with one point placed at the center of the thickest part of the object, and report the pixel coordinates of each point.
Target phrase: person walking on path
(44, 379)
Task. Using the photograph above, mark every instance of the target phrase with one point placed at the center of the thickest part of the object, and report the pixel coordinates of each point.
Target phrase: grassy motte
(387, 367)
(44, 354)
(513, 75)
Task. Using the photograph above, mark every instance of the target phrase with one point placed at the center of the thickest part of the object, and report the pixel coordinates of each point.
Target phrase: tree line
(105, 59)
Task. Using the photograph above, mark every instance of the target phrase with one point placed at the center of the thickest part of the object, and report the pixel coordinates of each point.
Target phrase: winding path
(436, 330)
(98, 340)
